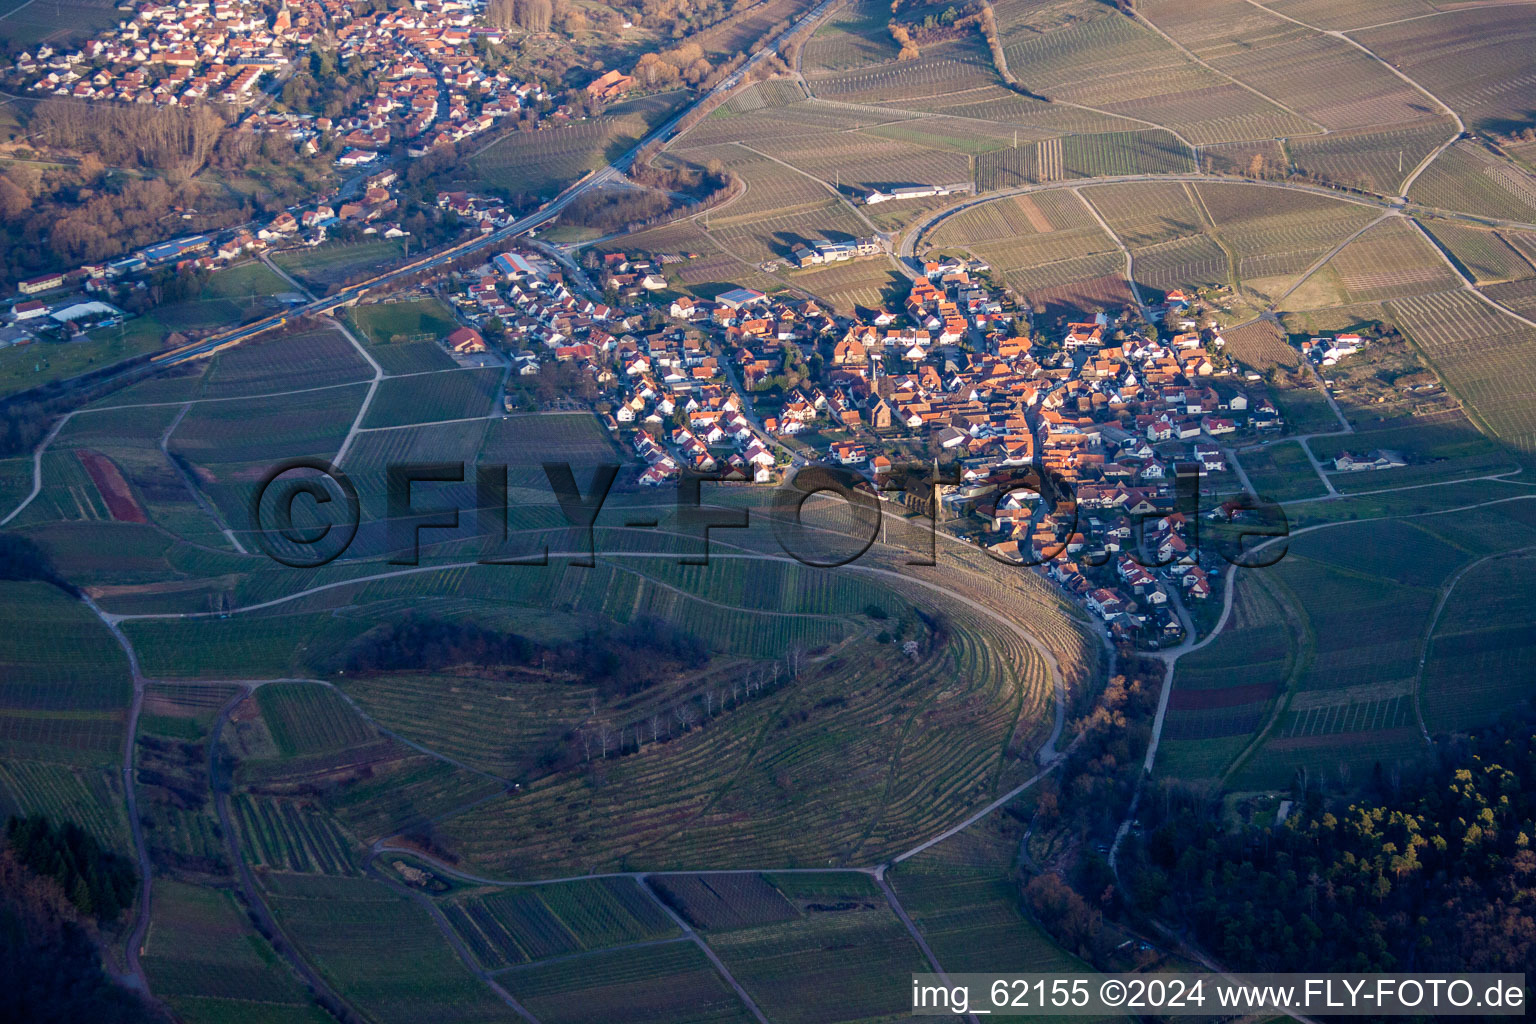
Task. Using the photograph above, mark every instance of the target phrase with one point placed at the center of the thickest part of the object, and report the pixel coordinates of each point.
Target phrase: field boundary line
(1149, 23)
(1434, 621)
(1436, 14)
(197, 493)
(688, 932)
(1434, 154)
(1130, 261)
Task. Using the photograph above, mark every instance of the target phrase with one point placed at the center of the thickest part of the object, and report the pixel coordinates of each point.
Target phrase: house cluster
(819, 250)
(1376, 458)
(527, 299)
(435, 90)
(487, 213)
(695, 426)
(175, 54)
(1328, 351)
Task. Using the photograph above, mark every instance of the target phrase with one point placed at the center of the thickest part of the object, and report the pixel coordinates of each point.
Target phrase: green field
(404, 336)
(1281, 472)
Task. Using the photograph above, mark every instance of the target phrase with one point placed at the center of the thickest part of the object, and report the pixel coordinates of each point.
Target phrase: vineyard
(204, 958)
(707, 796)
(1468, 179)
(1377, 161)
(1483, 356)
(432, 397)
(248, 430)
(380, 950)
(543, 162)
(287, 362)
(665, 984)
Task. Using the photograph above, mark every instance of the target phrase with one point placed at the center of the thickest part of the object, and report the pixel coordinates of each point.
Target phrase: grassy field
(29, 366)
(1281, 472)
(404, 336)
(335, 262)
(23, 26)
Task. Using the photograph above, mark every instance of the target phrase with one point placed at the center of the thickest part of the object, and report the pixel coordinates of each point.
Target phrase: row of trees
(123, 135)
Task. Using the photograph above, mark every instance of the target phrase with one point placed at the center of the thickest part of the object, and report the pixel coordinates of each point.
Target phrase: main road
(520, 226)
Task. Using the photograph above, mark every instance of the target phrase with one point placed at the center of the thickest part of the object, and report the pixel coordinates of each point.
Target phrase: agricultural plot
(286, 362)
(288, 836)
(336, 262)
(92, 797)
(859, 162)
(1115, 153)
(1257, 159)
(1481, 655)
(1468, 179)
(832, 965)
(405, 794)
(672, 983)
(23, 26)
(305, 718)
(516, 926)
(854, 36)
(1261, 345)
(1363, 594)
(974, 921)
(1303, 71)
(381, 951)
(914, 84)
(433, 397)
(404, 336)
(1329, 15)
(1390, 260)
(1275, 235)
(1484, 256)
(254, 429)
(1281, 472)
(771, 235)
(1195, 262)
(1376, 161)
(65, 682)
(1482, 355)
(1095, 57)
(866, 283)
(723, 902)
(1477, 61)
(1223, 692)
(1143, 215)
(541, 163)
(708, 796)
(203, 957)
